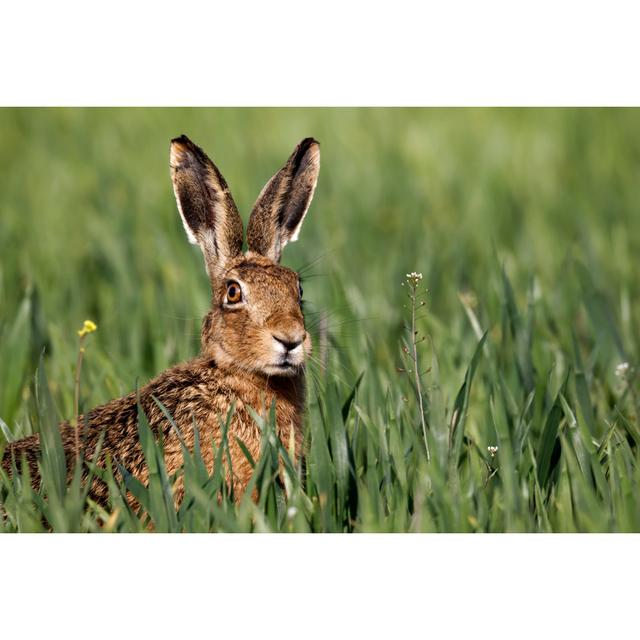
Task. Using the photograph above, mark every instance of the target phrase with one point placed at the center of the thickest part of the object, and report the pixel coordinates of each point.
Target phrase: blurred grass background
(529, 216)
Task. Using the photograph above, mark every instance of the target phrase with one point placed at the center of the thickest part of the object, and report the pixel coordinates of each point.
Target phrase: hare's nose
(288, 343)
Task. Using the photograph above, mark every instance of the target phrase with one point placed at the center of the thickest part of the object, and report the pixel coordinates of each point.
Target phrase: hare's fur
(253, 352)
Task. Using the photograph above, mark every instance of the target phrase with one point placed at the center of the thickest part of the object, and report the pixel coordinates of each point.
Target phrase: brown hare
(253, 340)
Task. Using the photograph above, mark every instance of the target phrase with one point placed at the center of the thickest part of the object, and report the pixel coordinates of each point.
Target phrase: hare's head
(255, 322)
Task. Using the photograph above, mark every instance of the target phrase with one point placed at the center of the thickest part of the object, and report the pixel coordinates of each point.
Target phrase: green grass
(524, 224)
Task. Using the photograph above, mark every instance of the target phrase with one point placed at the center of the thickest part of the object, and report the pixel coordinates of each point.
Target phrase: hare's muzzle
(288, 349)
(290, 345)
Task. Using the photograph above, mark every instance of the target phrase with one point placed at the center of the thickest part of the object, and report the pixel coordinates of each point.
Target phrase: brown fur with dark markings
(243, 361)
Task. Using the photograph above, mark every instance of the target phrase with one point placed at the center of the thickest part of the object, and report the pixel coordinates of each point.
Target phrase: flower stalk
(412, 282)
(87, 328)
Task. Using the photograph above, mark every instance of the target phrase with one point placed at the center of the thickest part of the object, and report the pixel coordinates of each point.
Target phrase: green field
(524, 223)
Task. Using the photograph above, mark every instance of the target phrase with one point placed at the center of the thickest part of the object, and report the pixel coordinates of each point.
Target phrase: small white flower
(622, 370)
(492, 451)
(413, 278)
(291, 512)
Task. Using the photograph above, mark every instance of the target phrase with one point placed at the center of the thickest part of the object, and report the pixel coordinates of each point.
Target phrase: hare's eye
(300, 292)
(234, 293)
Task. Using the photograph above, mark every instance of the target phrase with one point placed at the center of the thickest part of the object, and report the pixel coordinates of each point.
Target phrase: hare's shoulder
(183, 389)
(199, 390)
(186, 391)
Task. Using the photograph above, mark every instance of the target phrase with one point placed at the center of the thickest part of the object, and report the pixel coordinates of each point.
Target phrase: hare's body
(254, 343)
(195, 392)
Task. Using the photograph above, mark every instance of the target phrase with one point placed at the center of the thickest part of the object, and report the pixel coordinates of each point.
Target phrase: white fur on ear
(314, 161)
(192, 239)
(173, 161)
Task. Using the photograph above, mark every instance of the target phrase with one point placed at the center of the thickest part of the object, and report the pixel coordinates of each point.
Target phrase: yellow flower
(88, 327)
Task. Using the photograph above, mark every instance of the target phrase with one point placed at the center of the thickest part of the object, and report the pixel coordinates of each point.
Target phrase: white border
(288, 52)
(331, 586)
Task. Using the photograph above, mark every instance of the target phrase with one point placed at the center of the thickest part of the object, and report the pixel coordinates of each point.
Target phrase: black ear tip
(302, 150)
(308, 142)
(182, 139)
(183, 147)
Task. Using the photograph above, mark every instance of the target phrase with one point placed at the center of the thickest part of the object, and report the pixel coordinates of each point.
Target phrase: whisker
(331, 373)
(302, 269)
(314, 358)
(307, 276)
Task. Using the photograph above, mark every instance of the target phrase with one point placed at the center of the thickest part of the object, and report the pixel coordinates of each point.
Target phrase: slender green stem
(77, 398)
(416, 369)
(88, 327)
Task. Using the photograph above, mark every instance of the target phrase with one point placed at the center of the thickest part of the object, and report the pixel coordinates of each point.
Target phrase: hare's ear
(208, 212)
(283, 203)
